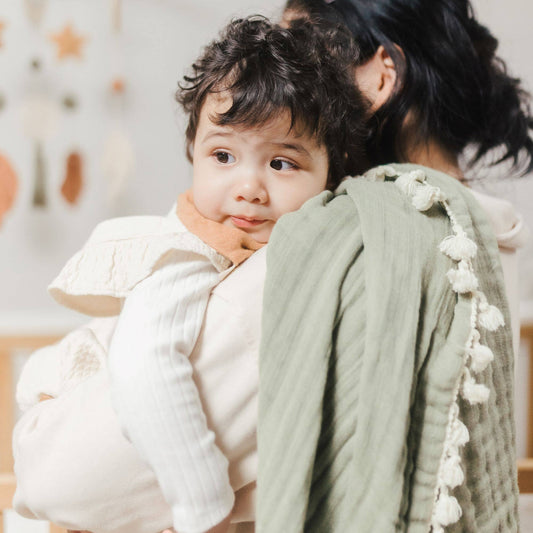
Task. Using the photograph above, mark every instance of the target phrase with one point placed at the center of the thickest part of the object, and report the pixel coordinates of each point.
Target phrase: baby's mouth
(245, 222)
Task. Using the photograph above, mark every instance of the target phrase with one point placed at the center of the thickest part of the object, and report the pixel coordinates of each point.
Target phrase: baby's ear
(189, 151)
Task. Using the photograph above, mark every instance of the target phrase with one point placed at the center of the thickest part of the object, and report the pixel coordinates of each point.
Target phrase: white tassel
(459, 247)
(463, 280)
(452, 473)
(437, 528)
(490, 317)
(425, 196)
(447, 510)
(474, 392)
(409, 183)
(481, 356)
(418, 175)
(459, 433)
(379, 173)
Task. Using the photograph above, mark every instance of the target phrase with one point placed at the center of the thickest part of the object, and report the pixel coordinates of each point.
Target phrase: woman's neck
(433, 155)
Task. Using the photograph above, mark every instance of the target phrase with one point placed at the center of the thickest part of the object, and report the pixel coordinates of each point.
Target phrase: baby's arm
(156, 398)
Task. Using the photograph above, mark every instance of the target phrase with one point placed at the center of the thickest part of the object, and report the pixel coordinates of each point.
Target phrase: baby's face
(248, 177)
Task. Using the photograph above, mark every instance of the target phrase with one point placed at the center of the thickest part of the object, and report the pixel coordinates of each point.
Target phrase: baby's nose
(253, 191)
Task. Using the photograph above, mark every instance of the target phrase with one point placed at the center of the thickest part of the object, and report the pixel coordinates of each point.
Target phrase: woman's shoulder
(506, 221)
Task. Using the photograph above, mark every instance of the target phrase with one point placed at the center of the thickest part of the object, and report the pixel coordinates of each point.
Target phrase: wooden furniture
(8, 344)
(525, 466)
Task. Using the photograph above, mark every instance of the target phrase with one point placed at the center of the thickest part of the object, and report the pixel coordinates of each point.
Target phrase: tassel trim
(461, 249)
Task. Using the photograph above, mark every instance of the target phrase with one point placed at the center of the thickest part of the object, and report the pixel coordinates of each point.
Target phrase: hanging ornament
(39, 185)
(73, 182)
(35, 64)
(35, 10)
(116, 14)
(68, 43)
(8, 186)
(2, 28)
(39, 120)
(118, 85)
(118, 162)
(69, 102)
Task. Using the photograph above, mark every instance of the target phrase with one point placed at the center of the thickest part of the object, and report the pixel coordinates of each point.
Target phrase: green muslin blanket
(375, 356)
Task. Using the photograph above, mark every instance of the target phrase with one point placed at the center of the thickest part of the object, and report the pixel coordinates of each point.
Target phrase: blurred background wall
(100, 81)
(120, 82)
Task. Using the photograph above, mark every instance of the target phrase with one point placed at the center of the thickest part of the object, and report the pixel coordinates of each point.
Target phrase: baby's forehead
(280, 123)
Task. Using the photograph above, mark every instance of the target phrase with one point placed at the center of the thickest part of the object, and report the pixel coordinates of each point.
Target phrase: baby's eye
(224, 157)
(281, 164)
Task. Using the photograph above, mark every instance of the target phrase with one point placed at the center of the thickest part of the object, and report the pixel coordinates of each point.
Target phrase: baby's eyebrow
(217, 133)
(296, 147)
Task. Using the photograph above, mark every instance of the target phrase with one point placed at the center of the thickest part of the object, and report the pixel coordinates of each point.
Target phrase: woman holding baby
(434, 88)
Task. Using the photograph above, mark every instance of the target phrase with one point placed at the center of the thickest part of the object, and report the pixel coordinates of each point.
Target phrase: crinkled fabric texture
(119, 254)
(362, 346)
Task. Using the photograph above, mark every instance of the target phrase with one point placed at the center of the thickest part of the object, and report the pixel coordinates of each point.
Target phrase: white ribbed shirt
(154, 394)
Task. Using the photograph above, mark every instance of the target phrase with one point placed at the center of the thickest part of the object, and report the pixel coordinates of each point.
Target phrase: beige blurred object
(2, 28)
(35, 10)
(116, 14)
(8, 344)
(118, 162)
(73, 182)
(8, 186)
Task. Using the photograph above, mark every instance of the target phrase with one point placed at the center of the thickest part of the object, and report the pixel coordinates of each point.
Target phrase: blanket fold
(363, 348)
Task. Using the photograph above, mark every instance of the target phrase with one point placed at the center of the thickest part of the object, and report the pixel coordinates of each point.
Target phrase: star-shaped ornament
(68, 42)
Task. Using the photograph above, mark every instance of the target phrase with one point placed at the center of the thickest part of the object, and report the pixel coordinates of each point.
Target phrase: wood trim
(7, 489)
(525, 475)
(526, 333)
(57, 529)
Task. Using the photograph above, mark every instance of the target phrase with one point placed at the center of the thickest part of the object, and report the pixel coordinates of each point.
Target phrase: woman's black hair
(267, 69)
(449, 77)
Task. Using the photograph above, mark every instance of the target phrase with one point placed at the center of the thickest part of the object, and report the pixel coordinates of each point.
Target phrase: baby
(274, 119)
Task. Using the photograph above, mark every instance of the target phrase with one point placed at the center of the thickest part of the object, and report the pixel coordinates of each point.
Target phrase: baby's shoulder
(119, 254)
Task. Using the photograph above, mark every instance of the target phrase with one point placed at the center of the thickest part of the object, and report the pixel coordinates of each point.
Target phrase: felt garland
(35, 10)
(2, 28)
(116, 14)
(68, 42)
(8, 186)
(73, 182)
(40, 117)
(39, 186)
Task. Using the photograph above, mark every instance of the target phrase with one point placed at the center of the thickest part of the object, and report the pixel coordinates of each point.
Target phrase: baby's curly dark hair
(268, 69)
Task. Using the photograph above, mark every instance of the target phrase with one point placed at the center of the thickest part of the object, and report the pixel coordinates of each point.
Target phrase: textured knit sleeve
(156, 398)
